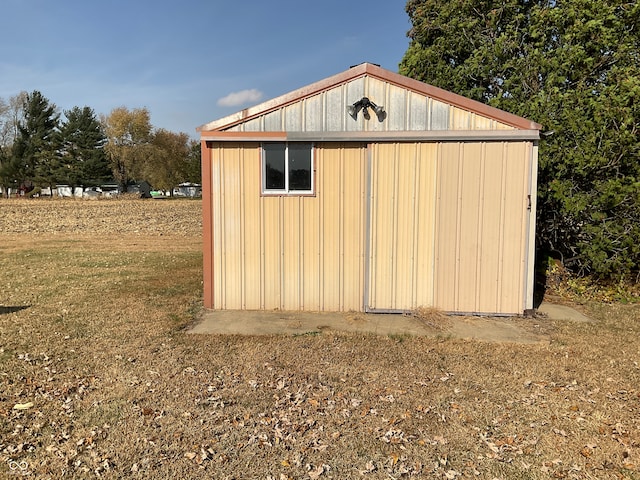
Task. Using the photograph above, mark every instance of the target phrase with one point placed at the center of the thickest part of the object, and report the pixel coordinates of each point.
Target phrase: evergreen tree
(574, 67)
(35, 151)
(83, 159)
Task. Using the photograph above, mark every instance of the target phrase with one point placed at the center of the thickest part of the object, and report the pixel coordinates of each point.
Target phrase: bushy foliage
(574, 67)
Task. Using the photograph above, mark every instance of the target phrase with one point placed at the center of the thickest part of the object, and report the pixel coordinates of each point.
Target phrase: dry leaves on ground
(92, 339)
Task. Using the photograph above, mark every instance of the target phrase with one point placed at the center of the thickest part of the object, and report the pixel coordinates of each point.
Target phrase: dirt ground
(99, 379)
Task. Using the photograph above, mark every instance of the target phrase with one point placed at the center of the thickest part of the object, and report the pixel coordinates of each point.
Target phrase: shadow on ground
(4, 310)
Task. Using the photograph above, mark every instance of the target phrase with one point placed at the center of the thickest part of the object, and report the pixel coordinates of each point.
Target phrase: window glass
(287, 168)
(299, 166)
(274, 166)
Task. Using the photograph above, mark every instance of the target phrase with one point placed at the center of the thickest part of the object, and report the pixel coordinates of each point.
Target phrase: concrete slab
(562, 312)
(489, 329)
(249, 322)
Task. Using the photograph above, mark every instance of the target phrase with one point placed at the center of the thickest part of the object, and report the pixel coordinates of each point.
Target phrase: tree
(193, 165)
(572, 66)
(166, 168)
(83, 159)
(11, 113)
(128, 142)
(35, 149)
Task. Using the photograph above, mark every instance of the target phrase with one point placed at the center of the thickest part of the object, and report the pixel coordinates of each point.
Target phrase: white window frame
(286, 191)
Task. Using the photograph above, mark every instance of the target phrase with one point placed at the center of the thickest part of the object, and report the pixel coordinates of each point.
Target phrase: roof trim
(408, 136)
(375, 71)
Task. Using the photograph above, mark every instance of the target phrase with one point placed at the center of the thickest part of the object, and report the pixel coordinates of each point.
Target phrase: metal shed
(370, 191)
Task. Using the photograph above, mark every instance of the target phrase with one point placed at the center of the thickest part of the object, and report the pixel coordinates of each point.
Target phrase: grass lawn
(98, 378)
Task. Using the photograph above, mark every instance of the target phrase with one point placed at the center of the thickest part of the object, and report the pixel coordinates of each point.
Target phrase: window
(287, 168)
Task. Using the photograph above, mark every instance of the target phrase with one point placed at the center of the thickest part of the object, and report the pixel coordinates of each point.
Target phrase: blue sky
(189, 61)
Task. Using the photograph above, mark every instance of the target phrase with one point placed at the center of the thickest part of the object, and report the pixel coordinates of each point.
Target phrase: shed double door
(400, 226)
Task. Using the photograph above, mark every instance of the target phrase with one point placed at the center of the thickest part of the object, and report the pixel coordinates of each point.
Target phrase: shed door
(400, 228)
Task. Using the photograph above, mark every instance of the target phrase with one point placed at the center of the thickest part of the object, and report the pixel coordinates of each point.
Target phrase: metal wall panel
(313, 114)
(406, 111)
(448, 227)
(417, 111)
(251, 266)
(289, 253)
(334, 119)
(481, 227)
(401, 233)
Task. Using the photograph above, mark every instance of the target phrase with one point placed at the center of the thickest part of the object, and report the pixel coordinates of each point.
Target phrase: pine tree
(35, 151)
(83, 159)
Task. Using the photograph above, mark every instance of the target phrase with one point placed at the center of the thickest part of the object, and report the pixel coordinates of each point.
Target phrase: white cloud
(240, 98)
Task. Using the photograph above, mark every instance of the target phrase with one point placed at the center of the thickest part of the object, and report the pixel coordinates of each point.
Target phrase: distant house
(67, 191)
(370, 191)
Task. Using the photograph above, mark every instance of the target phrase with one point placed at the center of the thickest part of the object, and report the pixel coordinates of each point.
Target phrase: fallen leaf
(316, 472)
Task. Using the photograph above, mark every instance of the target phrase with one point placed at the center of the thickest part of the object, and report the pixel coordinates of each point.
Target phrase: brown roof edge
(383, 74)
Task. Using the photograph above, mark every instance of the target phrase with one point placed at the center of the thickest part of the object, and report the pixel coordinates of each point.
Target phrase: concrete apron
(492, 329)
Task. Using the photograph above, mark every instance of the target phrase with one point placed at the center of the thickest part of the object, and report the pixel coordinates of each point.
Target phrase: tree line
(574, 67)
(40, 148)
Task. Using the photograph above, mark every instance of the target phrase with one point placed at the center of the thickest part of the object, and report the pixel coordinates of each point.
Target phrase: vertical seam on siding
(301, 284)
(433, 190)
(524, 230)
(262, 246)
(456, 276)
(281, 267)
(479, 243)
(367, 233)
(394, 227)
(361, 229)
(531, 226)
(417, 148)
(243, 246)
(321, 221)
(437, 227)
(223, 254)
(341, 213)
(503, 193)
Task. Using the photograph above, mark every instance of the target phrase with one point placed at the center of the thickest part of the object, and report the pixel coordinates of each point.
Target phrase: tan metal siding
(341, 187)
(329, 175)
(515, 227)
(482, 222)
(311, 256)
(290, 253)
(251, 253)
(447, 227)
(353, 184)
(402, 213)
(271, 236)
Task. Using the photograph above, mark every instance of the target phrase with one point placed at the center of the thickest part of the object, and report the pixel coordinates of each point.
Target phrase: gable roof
(437, 95)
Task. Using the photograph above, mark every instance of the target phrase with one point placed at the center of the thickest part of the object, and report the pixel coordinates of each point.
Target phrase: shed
(370, 191)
